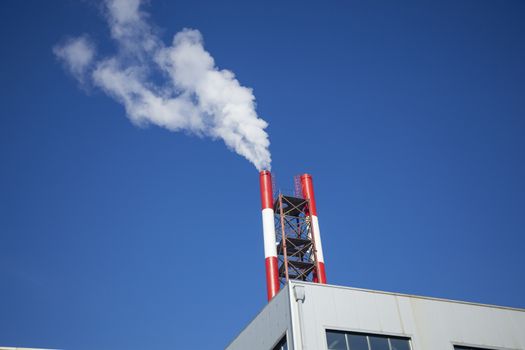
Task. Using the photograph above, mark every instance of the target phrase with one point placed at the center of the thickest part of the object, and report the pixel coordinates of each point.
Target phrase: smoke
(194, 95)
(77, 54)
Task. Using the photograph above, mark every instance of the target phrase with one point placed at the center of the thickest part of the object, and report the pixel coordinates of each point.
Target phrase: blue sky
(409, 115)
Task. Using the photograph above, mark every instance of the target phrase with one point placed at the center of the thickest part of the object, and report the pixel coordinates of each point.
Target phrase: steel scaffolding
(295, 240)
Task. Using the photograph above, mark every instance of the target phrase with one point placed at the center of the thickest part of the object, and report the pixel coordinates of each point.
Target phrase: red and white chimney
(307, 188)
(270, 249)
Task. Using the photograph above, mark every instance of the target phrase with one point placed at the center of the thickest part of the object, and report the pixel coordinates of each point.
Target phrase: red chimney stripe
(272, 277)
(307, 187)
(265, 180)
(322, 273)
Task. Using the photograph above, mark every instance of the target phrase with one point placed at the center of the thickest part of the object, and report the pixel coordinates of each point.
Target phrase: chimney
(270, 250)
(292, 239)
(307, 188)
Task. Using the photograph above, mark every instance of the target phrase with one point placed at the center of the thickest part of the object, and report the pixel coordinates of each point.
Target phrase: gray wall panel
(265, 330)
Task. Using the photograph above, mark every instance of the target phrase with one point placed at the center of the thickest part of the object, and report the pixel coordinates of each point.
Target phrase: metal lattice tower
(295, 243)
(292, 241)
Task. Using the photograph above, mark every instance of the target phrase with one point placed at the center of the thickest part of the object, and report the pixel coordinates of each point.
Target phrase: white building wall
(432, 324)
(268, 327)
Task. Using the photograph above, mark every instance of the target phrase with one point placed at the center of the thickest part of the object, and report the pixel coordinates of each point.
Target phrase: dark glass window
(337, 340)
(281, 345)
(357, 341)
(399, 344)
(461, 347)
(378, 343)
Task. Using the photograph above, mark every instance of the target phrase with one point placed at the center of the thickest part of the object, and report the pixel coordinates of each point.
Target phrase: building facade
(326, 317)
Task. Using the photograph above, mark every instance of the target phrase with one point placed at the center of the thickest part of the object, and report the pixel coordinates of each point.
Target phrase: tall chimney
(270, 250)
(307, 188)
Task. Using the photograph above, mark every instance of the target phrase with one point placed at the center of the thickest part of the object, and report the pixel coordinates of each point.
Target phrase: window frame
(367, 334)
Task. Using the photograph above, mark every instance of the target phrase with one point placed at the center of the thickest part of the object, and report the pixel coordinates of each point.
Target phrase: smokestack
(307, 188)
(270, 250)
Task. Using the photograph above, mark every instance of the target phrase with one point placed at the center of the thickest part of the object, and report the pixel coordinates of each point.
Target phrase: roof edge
(408, 295)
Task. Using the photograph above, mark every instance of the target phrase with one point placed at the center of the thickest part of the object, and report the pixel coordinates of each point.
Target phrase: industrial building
(315, 316)
(304, 312)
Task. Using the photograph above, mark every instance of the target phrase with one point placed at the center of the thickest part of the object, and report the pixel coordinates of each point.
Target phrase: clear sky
(410, 115)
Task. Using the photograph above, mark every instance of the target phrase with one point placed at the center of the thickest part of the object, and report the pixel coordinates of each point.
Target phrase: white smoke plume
(195, 96)
(77, 54)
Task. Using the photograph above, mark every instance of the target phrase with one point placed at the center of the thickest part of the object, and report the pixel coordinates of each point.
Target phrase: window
(461, 347)
(338, 340)
(281, 345)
